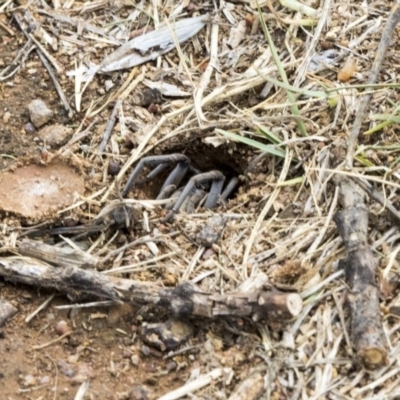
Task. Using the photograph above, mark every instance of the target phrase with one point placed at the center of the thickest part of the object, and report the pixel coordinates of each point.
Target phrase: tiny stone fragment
(66, 369)
(138, 393)
(7, 311)
(30, 128)
(147, 97)
(55, 135)
(6, 117)
(28, 381)
(108, 85)
(39, 113)
(62, 328)
(113, 168)
(166, 335)
(85, 372)
(211, 232)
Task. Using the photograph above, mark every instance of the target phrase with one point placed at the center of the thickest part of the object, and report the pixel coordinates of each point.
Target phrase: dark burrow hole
(230, 159)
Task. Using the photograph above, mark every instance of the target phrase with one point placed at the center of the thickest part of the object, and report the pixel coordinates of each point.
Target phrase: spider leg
(217, 179)
(160, 162)
(175, 177)
(194, 200)
(215, 191)
(230, 187)
(167, 192)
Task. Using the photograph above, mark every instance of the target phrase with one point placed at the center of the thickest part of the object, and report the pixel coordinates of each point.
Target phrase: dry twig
(366, 322)
(183, 301)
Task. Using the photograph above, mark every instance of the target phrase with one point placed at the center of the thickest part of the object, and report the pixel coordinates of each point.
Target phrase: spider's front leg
(160, 163)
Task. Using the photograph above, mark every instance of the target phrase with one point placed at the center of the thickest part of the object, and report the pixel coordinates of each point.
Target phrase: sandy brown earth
(279, 222)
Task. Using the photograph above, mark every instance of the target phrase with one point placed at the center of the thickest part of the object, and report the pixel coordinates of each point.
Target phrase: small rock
(208, 254)
(55, 135)
(147, 97)
(167, 335)
(113, 168)
(7, 311)
(211, 232)
(108, 84)
(135, 360)
(6, 117)
(154, 108)
(28, 381)
(45, 380)
(172, 366)
(30, 128)
(62, 328)
(138, 393)
(66, 369)
(145, 350)
(85, 372)
(39, 112)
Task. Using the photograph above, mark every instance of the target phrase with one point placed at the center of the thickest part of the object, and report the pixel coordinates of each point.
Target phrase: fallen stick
(182, 301)
(366, 321)
(60, 256)
(378, 197)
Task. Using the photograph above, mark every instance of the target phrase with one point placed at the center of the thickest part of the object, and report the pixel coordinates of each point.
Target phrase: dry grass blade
(259, 95)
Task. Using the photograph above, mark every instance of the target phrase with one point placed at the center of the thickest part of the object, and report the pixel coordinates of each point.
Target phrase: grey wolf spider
(188, 197)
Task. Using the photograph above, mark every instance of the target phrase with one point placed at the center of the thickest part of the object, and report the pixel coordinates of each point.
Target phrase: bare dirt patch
(277, 227)
(34, 191)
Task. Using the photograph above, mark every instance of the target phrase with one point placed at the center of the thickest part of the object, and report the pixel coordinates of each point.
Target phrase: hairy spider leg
(175, 177)
(160, 162)
(217, 184)
(230, 187)
(194, 200)
(217, 179)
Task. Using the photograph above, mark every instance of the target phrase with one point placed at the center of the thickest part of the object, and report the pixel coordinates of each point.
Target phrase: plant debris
(287, 98)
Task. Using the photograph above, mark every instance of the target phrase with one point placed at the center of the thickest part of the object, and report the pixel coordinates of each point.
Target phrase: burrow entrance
(231, 159)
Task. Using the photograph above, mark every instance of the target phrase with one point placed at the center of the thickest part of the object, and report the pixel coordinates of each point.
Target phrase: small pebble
(39, 113)
(108, 84)
(171, 366)
(30, 128)
(85, 372)
(65, 368)
(138, 393)
(28, 381)
(154, 108)
(62, 328)
(6, 117)
(135, 360)
(7, 311)
(50, 316)
(113, 168)
(145, 350)
(166, 335)
(55, 135)
(45, 380)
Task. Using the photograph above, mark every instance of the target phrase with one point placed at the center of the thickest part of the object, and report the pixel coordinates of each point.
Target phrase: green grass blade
(282, 73)
(267, 148)
(268, 134)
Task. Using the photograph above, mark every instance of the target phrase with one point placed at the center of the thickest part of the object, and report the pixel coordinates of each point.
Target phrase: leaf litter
(279, 227)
